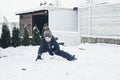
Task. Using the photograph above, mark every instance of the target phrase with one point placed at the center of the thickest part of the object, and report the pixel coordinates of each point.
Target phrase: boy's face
(47, 39)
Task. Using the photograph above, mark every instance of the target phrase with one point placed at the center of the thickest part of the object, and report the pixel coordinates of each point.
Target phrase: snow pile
(95, 62)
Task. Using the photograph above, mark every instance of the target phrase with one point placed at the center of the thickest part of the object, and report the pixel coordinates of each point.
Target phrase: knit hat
(48, 34)
(46, 28)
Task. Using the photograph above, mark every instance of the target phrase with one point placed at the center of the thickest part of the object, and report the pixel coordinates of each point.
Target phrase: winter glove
(38, 57)
(51, 53)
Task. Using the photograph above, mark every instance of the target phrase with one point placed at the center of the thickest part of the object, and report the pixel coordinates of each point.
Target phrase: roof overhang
(29, 11)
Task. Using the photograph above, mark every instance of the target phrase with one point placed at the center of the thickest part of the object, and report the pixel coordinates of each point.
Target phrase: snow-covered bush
(0, 42)
(5, 37)
(36, 36)
(26, 40)
(15, 37)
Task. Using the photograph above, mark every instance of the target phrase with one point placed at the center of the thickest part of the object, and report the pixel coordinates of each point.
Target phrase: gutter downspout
(79, 34)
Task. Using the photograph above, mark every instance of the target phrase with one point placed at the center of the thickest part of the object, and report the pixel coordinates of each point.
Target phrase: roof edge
(41, 8)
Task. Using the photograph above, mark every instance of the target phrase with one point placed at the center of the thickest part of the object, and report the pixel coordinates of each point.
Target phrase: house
(94, 23)
(61, 21)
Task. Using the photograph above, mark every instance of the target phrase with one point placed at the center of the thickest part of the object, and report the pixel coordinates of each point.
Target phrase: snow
(95, 62)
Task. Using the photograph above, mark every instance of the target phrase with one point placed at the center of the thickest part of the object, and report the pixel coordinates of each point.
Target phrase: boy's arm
(57, 47)
(40, 49)
(39, 52)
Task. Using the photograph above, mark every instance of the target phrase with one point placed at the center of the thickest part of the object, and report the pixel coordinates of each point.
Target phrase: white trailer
(64, 24)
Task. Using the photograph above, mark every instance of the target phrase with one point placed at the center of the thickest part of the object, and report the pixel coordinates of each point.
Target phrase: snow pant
(65, 55)
(62, 54)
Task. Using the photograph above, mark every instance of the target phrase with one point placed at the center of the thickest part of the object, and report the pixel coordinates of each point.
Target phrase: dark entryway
(40, 19)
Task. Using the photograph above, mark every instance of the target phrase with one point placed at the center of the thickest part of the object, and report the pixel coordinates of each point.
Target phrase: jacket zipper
(49, 46)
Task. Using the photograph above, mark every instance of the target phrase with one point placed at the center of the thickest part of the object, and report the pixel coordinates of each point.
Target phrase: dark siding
(26, 21)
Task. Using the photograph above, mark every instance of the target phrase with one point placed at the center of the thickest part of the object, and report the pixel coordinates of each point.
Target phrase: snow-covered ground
(95, 62)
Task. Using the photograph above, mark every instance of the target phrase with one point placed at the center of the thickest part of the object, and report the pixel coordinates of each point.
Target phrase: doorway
(40, 19)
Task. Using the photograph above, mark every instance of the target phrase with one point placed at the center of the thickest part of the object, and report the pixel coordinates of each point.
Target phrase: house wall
(26, 21)
(100, 22)
(63, 20)
(63, 24)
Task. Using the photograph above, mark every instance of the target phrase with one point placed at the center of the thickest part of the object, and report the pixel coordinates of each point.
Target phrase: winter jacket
(51, 47)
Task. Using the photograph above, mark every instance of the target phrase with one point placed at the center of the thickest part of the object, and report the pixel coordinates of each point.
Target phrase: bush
(5, 37)
(0, 42)
(26, 40)
(36, 37)
(15, 37)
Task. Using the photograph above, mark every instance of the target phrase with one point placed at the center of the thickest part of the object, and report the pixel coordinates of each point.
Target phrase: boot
(38, 57)
(72, 58)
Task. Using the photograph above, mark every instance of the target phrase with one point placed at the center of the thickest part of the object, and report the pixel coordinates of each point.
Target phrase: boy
(50, 45)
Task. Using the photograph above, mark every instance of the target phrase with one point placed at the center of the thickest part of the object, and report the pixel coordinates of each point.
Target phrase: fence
(100, 22)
